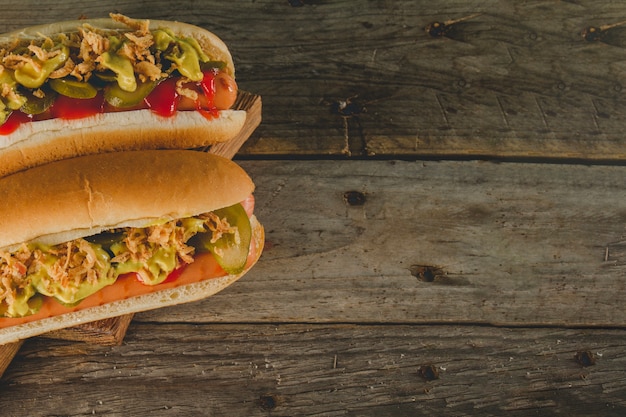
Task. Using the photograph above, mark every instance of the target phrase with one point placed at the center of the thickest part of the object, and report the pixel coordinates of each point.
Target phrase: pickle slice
(38, 105)
(117, 97)
(73, 88)
(102, 79)
(229, 252)
(106, 239)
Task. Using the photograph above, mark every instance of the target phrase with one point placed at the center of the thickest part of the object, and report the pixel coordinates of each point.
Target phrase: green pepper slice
(33, 76)
(70, 294)
(106, 239)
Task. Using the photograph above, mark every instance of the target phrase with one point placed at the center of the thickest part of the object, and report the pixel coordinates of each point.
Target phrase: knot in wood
(354, 198)
(437, 29)
(426, 273)
(428, 372)
(585, 358)
(267, 402)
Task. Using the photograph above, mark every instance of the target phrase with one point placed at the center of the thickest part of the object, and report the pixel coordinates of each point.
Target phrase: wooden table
(443, 190)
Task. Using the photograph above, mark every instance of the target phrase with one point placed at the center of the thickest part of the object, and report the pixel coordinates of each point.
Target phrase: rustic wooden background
(442, 185)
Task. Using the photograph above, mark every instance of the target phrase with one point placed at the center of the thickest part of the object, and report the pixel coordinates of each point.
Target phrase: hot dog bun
(163, 298)
(45, 141)
(82, 196)
(50, 140)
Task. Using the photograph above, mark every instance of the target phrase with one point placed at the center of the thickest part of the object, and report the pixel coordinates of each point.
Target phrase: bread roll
(164, 298)
(79, 197)
(50, 140)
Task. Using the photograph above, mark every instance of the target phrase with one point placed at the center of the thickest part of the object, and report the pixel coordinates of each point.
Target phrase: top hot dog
(100, 85)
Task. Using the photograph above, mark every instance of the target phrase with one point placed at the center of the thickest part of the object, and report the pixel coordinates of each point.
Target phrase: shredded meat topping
(141, 26)
(9, 93)
(73, 263)
(186, 92)
(13, 273)
(86, 46)
(65, 70)
(219, 227)
(16, 61)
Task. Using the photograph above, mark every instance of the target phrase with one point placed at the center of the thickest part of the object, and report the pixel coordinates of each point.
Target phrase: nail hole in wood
(354, 198)
(437, 29)
(591, 34)
(267, 402)
(585, 358)
(347, 108)
(425, 273)
(428, 372)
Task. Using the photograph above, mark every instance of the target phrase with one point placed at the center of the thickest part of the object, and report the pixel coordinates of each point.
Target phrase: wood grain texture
(324, 370)
(507, 244)
(400, 287)
(105, 332)
(7, 353)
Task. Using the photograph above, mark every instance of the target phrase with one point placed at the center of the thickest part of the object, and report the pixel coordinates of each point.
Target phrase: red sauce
(14, 121)
(164, 100)
(208, 88)
(77, 108)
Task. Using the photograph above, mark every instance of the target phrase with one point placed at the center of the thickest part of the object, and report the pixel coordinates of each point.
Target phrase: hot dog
(98, 85)
(101, 235)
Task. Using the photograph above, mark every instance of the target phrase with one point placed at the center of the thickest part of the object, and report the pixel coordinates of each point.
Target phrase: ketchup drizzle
(77, 108)
(14, 121)
(208, 88)
(163, 100)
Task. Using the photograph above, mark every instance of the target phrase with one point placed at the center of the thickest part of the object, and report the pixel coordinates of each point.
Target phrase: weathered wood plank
(341, 370)
(7, 352)
(504, 79)
(507, 244)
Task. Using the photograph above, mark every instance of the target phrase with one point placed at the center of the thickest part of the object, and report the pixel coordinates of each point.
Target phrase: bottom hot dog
(98, 236)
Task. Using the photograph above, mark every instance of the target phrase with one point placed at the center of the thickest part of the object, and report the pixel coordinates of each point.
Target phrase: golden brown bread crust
(45, 141)
(41, 142)
(163, 298)
(78, 197)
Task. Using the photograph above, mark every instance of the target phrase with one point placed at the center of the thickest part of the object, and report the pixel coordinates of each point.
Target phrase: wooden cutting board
(112, 331)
